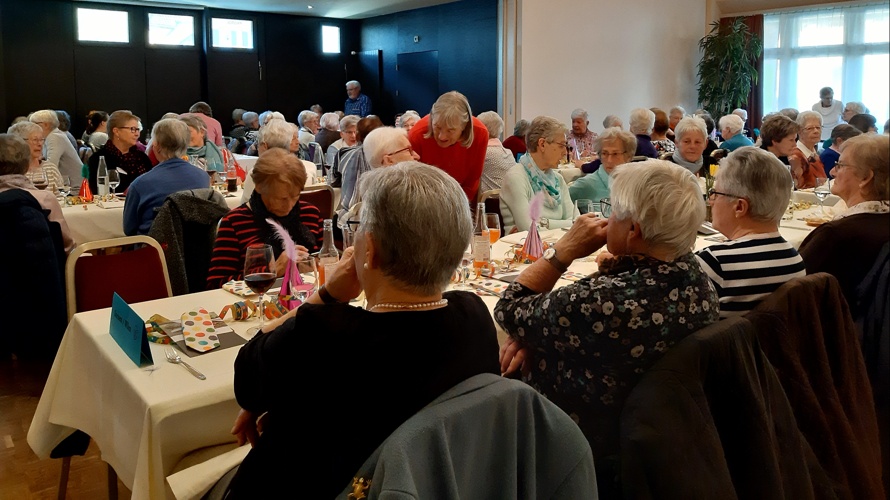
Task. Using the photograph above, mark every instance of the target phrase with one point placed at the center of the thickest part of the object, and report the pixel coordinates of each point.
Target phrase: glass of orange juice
(494, 227)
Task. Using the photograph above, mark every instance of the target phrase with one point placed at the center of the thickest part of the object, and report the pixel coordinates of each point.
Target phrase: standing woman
(451, 138)
(536, 173)
(120, 151)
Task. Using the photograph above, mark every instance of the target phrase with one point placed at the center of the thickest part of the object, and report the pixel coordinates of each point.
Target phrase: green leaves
(727, 70)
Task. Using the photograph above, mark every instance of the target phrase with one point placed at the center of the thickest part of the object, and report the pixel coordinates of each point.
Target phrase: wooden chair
(322, 197)
(492, 201)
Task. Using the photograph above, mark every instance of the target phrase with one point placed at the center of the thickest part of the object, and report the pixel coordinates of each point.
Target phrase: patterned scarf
(866, 207)
(210, 154)
(546, 181)
(693, 167)
(300, 234)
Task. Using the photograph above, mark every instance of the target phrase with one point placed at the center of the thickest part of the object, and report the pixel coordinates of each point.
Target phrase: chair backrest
(534, 451)
(322, 197)
(316, 155)
(136, 275)
(492, 201)
(873, 297)
(85, 152)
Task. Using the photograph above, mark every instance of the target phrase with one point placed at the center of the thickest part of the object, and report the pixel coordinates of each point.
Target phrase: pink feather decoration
(290, 248)
(535, 206)
(291, 274)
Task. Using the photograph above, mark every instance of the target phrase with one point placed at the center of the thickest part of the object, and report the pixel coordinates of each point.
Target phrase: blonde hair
(453, 110)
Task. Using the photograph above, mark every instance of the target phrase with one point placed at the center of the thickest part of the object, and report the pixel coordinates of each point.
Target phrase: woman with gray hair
(536, 173)
(329, 130)
(497, 158)
(516, 142)
(451, 123)
(39, 172)
(405, 286)
(641, 122)
(806, 166)
(56, 147)
(348, 129)
(409, 119)
(691, 137)
(170, 141)
(614, 147)
(749, 197)
(595, 338)
(731, 127)
(308, 121)
(201, 152)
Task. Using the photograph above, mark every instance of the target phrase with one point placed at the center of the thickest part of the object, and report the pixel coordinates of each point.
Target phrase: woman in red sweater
(451, 138)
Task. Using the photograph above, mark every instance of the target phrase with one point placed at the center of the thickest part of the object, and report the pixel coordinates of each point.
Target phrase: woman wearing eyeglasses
(40, 171)
(614, 147)
(120, 151)
(749, 197)
(804, 159)
(536, 173)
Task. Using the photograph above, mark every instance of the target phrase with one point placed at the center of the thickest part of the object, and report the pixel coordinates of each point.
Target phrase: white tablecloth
(246, 162)
(569, 172)
(144, 420)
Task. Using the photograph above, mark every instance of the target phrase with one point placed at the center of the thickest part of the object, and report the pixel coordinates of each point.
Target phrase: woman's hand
(282, 261)
(587, 235)
(247, 428)
(514, 355)
(343, 283)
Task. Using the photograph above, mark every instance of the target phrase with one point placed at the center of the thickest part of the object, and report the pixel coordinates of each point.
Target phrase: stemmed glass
(494, 227)
(308, 283)
(114, 180)
(463, 272)
(64, 188)
(259, 275)
(38, 178)
(822, 190)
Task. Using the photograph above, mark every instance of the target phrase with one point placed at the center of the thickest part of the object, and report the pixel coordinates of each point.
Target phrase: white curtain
(845, 48)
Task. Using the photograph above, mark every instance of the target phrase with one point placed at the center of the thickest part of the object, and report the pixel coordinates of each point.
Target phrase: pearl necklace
(402, 305)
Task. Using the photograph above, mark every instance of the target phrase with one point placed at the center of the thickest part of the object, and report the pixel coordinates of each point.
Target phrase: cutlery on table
(175, 358)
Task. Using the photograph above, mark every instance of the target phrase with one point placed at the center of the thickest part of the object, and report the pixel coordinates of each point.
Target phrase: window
(330, 39)
(166, 29)
(94, 25)
(231, 33)
(845, 48)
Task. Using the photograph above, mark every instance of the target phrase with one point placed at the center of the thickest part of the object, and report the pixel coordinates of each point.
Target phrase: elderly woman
(39, 172)
(641, 122)
(778, 135)
(659, 133)
(329, 130)
(96, 133)
(536, 173)
(852, 109)
(169, 139)
(15, 157)
(594, 339)
(120, 152)
(580, 137)
(848, 246)
(408, 120)
(279, 179)
(498, 159)
(276, 133)
(731, 128)
(749, 197)
(348, 139)
(56, 147)
(350, 163)
(451, 138)
(405, 288)
(691, 137)
(516, 142)
(614, 147)
(201, 152)
(308, 121)
(804, 158)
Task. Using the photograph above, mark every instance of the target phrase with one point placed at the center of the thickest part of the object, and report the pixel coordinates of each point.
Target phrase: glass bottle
(328, 256)
(231, 178)
(481, 241)
(102, 177)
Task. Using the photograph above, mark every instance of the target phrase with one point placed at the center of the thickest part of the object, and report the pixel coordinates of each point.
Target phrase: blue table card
(128, 330)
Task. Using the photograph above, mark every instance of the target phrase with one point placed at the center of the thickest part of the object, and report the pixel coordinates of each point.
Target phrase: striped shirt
(746, 270)
(238, 229)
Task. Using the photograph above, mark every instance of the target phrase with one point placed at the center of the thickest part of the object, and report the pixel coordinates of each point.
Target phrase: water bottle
(328, 256)
(481, 241)
(102, 177)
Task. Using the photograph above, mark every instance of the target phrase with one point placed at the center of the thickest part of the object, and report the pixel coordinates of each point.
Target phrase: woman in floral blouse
(592, 340)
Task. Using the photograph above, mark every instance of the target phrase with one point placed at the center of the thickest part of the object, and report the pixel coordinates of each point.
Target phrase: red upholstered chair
(321, 196)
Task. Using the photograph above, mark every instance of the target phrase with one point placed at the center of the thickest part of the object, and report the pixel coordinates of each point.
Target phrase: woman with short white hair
(308, 121)
(749, 197)
(806, 166)
(691, 136)
(641, 122)
(536, 173)
(348, 139)
(409, 119)
(615, 147)
(592, 340)
(731, 127)
(39, 172)
(329, 130)
(498, 159)
(57, 149)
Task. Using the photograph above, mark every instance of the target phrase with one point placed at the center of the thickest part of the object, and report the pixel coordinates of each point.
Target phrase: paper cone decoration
(291, 279)
(533, 247)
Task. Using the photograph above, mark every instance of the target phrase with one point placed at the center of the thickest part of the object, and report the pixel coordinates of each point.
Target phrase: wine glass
(822, 190)
(582, 206)
(304, 279)
(494, 227)
(463, 272)
(259, 274)
(38, 178)
(114, 180)
(64, 188)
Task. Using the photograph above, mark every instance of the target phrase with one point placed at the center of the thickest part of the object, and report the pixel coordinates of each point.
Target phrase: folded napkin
(115, 203)
(199, 331)
(238, 287)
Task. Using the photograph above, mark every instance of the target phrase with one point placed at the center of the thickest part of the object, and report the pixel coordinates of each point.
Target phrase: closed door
(418, 81)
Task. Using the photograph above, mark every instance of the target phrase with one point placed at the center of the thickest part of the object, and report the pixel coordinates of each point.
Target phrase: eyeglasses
(135, 130)
(560, 144)
(352, 225)
(399, 151)
(348, 132)
(712, 193)
(839, 165)
(37, 141)
(606, 205)
(812, 129)
(606, 154)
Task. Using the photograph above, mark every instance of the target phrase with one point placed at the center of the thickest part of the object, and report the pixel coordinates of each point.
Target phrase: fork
(175, 358)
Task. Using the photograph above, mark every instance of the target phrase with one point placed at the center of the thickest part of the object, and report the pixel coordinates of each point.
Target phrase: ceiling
(339, 9)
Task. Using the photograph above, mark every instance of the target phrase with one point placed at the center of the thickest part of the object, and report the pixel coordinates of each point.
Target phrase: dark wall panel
(110, 78)
(172, 82)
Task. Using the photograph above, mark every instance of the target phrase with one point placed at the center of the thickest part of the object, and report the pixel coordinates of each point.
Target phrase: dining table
(147, 419)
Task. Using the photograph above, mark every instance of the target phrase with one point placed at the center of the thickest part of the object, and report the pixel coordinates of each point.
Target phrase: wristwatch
(550, 256)
(326, 296)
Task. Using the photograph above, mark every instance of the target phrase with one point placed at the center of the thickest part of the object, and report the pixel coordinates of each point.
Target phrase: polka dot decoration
(198, 331)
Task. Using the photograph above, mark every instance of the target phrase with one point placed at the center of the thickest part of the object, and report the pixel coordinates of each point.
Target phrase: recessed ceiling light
(310, 6)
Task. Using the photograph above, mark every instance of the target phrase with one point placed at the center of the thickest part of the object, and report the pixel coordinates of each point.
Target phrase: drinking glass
(822, 190)
(463, 272)
(582, 206)
(259, 274)
(64, 188)
(38, 178)
(307, 283)
(114, 180)
(494, 227)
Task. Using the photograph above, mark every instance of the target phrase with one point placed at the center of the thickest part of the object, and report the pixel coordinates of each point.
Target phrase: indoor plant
(727, 70)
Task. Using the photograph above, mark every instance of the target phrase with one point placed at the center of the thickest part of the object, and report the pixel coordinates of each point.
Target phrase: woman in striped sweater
(279, 178)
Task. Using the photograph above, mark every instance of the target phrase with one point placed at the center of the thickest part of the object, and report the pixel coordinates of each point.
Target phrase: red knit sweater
(464, 164)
